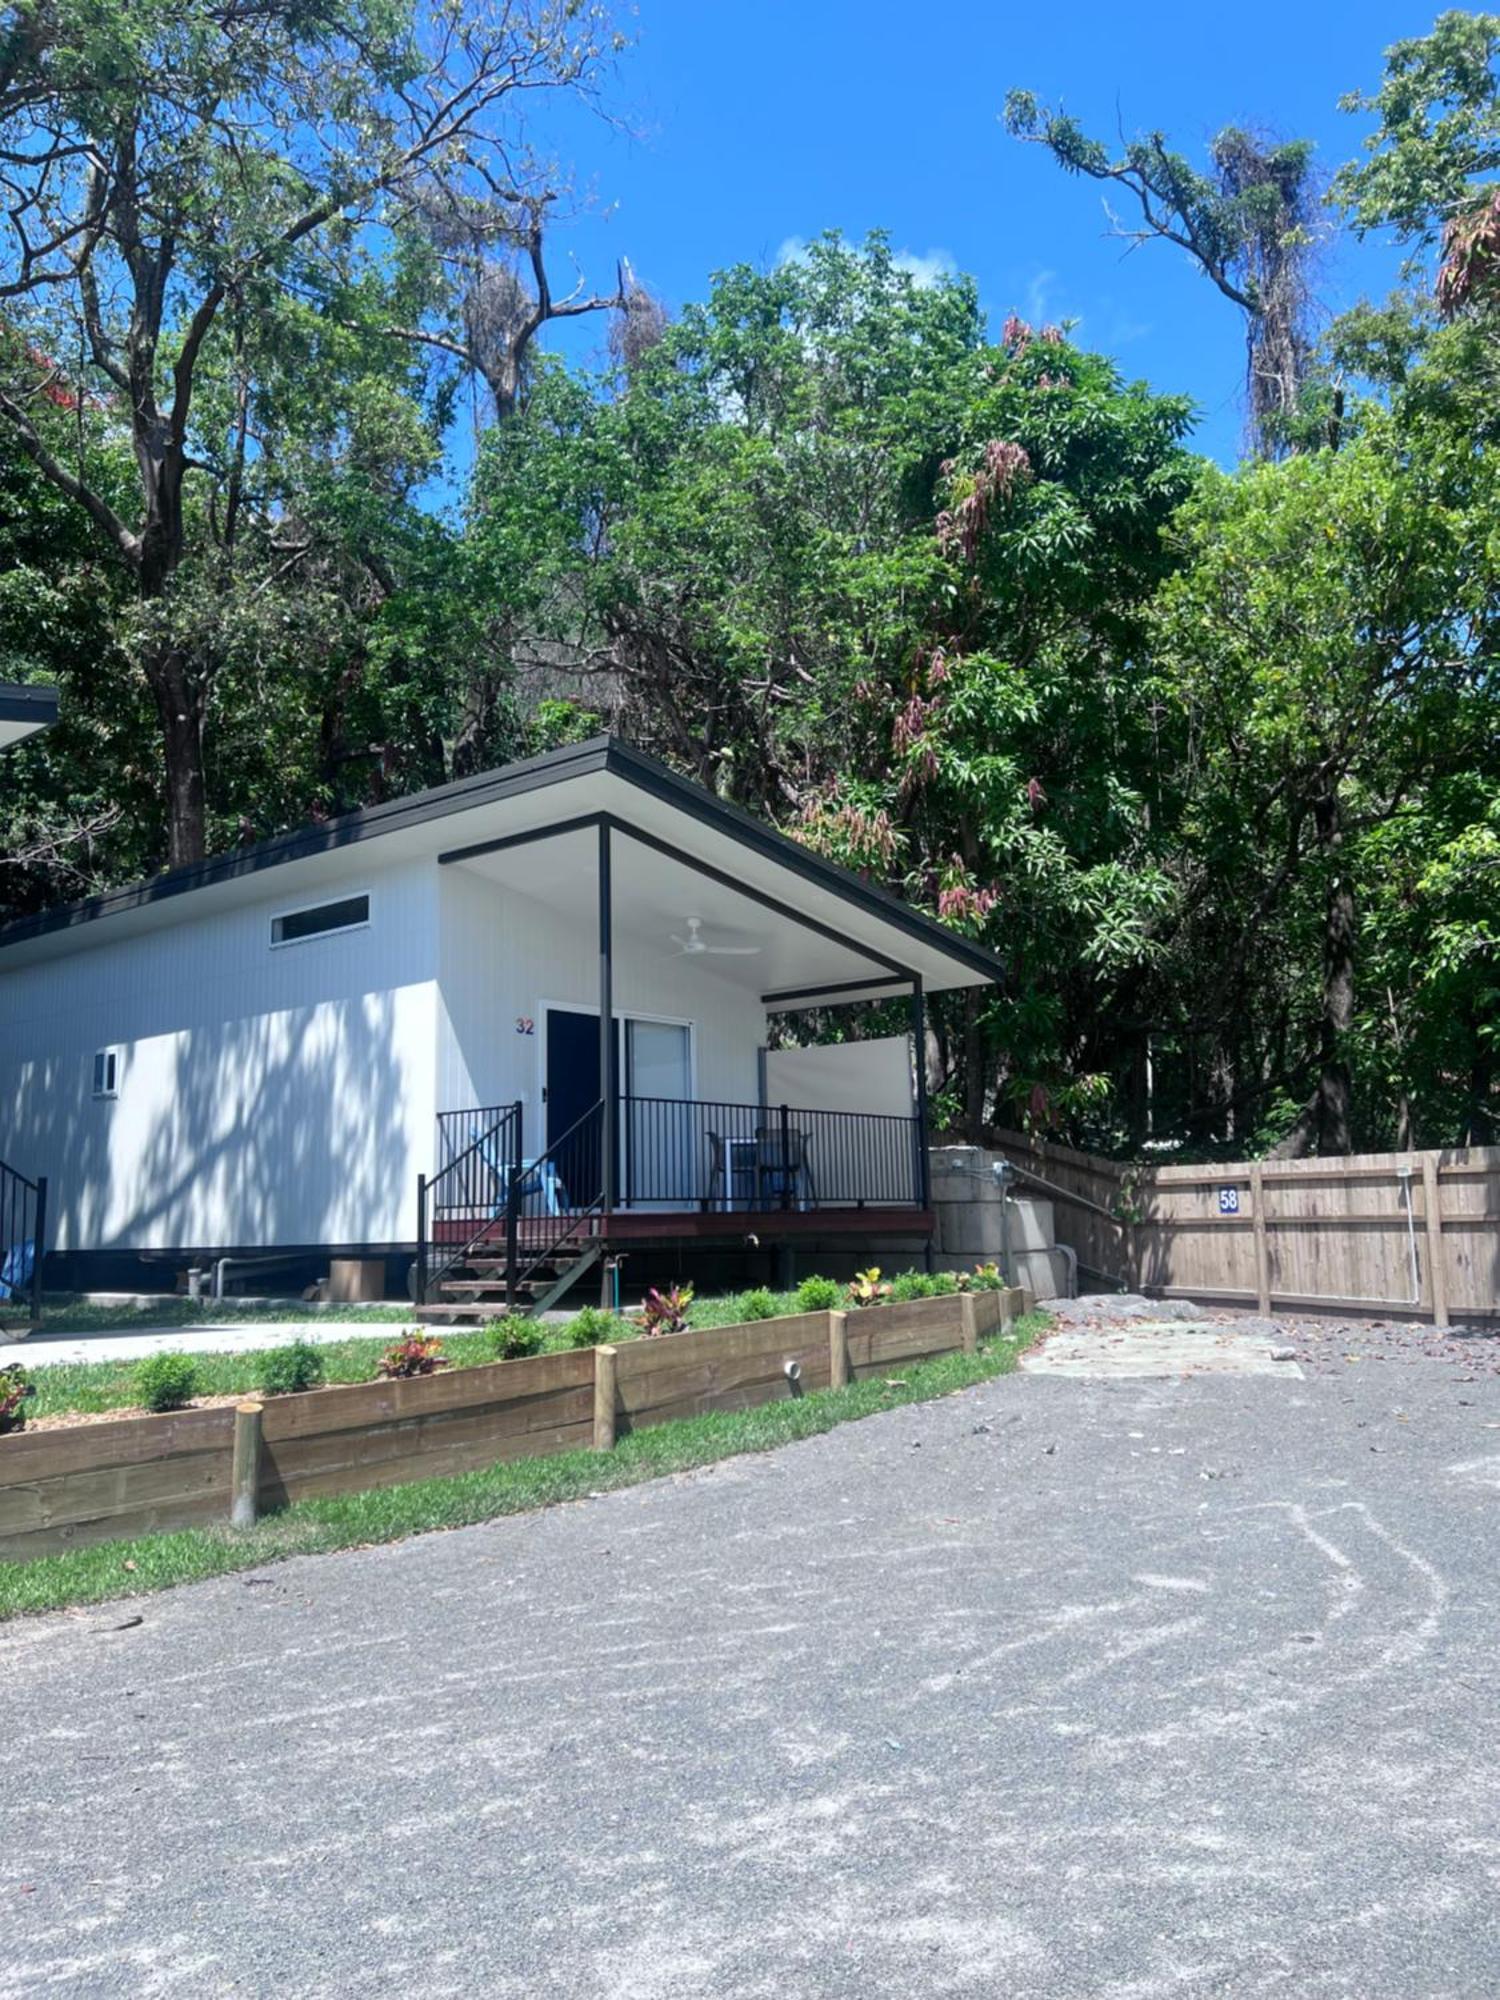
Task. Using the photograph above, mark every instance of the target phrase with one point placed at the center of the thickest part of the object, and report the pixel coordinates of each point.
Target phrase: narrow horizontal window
(346, 915)
(106, 1073)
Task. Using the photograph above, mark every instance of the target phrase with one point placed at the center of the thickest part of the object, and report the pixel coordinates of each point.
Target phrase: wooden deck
(624, 1226)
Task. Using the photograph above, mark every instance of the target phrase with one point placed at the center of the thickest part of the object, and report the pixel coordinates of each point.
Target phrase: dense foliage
(1208, 757)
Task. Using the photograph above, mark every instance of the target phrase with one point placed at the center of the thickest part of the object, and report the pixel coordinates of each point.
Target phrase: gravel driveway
(1161, 1687)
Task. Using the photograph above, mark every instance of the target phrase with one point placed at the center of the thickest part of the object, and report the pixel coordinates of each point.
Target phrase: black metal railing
(671, 1153)
(696, 1155)
(552, 1198)
(463, 1204)
(23, 1241)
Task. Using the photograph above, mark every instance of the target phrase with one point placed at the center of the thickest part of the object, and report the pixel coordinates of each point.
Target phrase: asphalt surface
(1165, 1687)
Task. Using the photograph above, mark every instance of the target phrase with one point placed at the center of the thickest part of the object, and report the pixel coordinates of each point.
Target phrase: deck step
(496, 1287)
(499, 1263)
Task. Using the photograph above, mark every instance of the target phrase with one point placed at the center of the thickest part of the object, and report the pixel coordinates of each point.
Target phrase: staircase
(479, 1289)
(497, 1233)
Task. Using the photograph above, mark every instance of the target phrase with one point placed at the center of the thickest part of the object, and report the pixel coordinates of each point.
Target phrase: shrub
(166, 1381)
(593, 1327)
(756, 1304)
(666, 1312)
(287, 1371)
(942, 1285)
(867, 1288)
(910, 1285)
(14, 1389)
(819, 1295)
(515, 1335)
(413, 1354)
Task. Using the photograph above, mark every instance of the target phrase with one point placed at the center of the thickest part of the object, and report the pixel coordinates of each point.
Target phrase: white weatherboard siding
(266, 1096)
(504, 956)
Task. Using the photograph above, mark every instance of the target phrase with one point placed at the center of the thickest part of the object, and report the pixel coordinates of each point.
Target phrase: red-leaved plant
(666, 1312)
(413, 1354)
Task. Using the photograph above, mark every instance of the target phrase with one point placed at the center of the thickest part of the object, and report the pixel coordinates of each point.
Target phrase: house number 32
(525, 1025)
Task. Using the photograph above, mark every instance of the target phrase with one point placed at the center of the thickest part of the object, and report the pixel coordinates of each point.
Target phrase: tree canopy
(1208, 756)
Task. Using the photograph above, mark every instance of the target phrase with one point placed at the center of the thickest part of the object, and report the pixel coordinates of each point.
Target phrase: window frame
(332, 930)
(111, 1060)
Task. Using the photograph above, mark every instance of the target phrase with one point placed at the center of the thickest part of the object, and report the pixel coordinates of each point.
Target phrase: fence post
(1437, 1269)
(512, 1235)
(838, 1350)
(1262, 1239)
(420, 1286)
(786, 1157)
(244, 1479)
(605, 1378)
(39, 1246)
(968, 1320)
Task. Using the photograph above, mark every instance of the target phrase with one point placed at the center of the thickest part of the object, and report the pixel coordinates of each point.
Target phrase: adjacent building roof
(451, 823)
(25, 710)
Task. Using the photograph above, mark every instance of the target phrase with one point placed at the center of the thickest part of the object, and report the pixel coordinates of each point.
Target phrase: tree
(1438, 137)
(1329, 635)
(1250, 226)
(834, 553)
(177, 176)
(724, 533)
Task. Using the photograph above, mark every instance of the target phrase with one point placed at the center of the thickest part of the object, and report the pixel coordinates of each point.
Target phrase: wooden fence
(64, 1488)
(1409, 1234)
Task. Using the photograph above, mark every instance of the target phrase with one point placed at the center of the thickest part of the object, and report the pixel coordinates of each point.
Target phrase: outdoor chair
(718, 1169)
(15, 1272)
(783, 1167)
(539, 1184)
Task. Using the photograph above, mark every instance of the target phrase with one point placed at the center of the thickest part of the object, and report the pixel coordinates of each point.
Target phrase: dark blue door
(572, 1092)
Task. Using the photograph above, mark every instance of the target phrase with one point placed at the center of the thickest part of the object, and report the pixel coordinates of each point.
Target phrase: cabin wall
(268, 1096)
(502, 957)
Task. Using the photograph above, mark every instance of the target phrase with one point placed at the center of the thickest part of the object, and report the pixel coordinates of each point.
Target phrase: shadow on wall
(274, 1129)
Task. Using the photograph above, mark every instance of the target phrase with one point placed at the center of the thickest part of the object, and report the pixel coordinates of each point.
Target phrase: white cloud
(927, 267)
(1038, 296)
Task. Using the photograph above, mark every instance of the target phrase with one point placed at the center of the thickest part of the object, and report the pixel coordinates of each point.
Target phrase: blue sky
(754, 126)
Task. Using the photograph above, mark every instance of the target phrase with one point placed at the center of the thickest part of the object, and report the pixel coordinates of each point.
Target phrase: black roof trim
(20, 702)
(599, 754)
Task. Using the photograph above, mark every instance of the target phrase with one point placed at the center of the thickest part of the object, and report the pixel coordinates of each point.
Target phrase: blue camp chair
(534, 1178)
(16, 1272)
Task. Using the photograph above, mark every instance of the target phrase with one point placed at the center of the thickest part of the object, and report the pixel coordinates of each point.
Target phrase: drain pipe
(1004, 1174)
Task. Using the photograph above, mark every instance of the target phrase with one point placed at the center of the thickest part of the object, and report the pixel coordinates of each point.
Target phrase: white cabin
(285, 1050)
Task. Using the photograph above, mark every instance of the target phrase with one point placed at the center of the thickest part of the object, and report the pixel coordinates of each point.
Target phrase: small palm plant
(868, 1288)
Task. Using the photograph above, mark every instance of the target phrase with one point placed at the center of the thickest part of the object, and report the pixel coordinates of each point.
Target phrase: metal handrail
(457, 1176)
(515, 1273)
(23, 1238)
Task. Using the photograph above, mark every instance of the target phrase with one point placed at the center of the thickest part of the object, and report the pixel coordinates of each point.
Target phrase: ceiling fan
(695, 943)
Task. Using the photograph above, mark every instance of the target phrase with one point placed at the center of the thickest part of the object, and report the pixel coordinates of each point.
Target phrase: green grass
(156, 1562)
(110, 1385)
(68, 1313)
(95, 1386)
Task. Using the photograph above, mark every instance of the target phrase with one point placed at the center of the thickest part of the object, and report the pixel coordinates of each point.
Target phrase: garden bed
(67, 1484)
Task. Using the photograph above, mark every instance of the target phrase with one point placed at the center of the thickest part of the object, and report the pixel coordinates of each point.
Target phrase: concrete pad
(1136, 1347)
